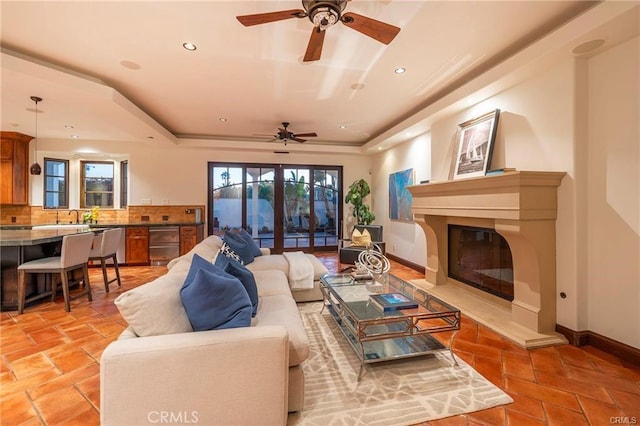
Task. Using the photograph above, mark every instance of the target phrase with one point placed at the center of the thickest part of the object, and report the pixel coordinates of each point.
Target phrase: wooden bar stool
(105, 246)
(73, 256)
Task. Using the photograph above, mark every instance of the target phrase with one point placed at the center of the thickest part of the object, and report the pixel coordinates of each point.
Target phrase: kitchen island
(22, 245)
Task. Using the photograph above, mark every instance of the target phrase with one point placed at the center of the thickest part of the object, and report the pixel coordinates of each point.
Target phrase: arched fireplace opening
(481, 258)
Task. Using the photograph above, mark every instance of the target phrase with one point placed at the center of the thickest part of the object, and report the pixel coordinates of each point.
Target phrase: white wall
(403, 239)
(612, 260)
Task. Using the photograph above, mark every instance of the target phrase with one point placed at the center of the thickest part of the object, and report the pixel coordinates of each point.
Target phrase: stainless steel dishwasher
(164, 244)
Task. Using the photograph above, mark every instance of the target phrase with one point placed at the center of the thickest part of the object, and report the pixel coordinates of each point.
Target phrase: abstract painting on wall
(400, 199)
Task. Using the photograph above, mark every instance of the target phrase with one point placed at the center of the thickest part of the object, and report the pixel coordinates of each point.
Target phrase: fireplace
(521, 207)
(481, 258)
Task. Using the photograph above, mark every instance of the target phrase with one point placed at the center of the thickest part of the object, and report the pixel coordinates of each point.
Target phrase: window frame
(66, 183)
(124, 184)
(83, 194)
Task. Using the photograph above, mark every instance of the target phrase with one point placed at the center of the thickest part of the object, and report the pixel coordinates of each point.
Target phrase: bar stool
(105, 246)
(73, 256)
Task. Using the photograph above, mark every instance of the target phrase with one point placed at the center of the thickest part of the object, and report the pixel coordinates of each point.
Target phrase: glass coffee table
(377, 335)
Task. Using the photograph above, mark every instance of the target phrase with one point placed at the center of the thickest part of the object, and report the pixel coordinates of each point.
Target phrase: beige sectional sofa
(159, 370)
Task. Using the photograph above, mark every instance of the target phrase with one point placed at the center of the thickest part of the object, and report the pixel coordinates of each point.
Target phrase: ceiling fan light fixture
(324, 16)
(35, 168)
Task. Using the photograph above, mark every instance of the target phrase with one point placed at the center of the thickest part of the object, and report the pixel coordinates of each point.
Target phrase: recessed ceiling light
(400, 70)
(343, 127)
(222, 119)
(130, 65)
(68, 127)
(189, 46)
(150, 137)
(74, 136)
(588, 46)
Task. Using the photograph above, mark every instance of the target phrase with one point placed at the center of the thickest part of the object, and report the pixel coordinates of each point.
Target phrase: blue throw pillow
(239, 246)
(250, 242)
(246, 278)
(197, 263)
(215, 300)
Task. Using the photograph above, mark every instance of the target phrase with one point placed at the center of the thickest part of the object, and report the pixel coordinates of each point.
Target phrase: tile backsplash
(36, 215)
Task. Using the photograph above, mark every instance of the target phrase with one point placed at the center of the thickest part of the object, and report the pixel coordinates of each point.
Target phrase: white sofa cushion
(155, 308)
(282, 310)
(271, 283)
(207, 249)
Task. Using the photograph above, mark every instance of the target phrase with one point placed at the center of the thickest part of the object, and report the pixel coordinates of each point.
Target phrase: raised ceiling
(118, 71)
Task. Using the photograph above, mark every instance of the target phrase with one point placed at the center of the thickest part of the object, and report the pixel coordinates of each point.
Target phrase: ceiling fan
(324, 14)
(285, 135)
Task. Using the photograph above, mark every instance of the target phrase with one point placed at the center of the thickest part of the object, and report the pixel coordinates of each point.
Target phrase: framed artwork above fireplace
(475, 145)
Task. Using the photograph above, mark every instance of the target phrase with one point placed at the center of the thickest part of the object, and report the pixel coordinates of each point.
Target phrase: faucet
(77, 219)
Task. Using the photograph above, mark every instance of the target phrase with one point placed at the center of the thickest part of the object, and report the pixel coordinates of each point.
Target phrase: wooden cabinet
(14, 168)
(137, 252)
(190, 235)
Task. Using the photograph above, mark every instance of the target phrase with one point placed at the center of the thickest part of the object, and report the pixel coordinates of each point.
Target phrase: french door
(284, 207)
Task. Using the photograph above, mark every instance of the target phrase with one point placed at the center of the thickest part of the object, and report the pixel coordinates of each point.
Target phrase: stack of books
(500, 171)
(393, 301)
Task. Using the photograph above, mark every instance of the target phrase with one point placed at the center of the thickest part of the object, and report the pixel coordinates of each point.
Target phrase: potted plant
(358, 191)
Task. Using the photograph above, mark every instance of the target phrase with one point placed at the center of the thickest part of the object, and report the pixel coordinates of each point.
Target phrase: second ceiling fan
(324, 14)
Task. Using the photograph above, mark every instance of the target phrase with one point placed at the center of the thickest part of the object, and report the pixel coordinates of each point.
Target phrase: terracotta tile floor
(49, 371)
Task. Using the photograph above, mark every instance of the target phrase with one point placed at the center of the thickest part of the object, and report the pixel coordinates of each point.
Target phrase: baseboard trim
(583, 338)
(575, 338)
(406, 263)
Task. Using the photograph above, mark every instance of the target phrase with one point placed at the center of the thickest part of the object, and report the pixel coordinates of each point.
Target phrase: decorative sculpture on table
(376, 264)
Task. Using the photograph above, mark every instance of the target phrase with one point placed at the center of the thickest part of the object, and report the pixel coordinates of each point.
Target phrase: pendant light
(35, 168)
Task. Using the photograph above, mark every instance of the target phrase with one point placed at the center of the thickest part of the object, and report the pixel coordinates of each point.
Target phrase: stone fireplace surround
(520, 206)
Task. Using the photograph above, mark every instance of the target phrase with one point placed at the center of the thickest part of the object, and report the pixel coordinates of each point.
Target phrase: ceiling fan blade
(297, 139)
(306, 135)
(263, 18)
(314, 48)
(381, 31)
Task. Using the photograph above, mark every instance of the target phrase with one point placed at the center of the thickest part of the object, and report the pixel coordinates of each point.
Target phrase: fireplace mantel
(520, 206)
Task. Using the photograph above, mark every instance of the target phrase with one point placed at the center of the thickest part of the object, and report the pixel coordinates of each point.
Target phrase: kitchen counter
(28, 237)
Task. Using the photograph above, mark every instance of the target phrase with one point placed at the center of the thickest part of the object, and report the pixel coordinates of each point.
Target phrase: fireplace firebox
(481, 258)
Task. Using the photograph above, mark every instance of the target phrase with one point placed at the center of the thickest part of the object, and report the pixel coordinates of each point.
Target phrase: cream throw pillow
(361, 239)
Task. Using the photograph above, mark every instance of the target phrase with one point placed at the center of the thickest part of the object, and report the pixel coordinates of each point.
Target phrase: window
(124, 184)
(96, 184)
(56, 187)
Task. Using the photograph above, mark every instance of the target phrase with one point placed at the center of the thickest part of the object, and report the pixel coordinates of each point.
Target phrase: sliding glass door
(283, 207)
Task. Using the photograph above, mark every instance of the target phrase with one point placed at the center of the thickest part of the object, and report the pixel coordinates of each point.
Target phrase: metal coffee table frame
(378, 336)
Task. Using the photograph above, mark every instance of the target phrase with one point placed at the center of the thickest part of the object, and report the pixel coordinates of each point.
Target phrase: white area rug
(402, 392)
